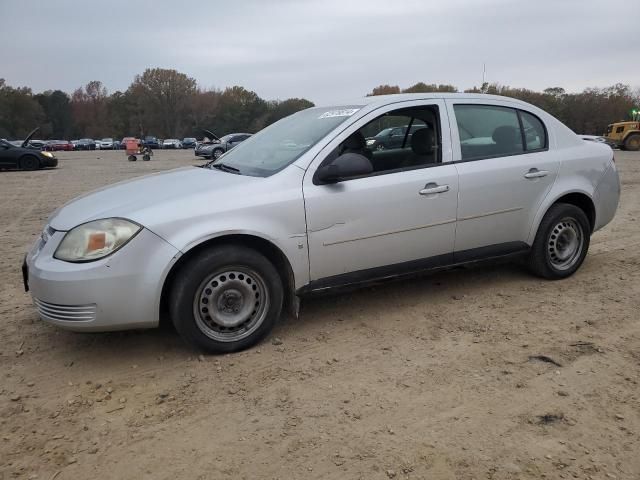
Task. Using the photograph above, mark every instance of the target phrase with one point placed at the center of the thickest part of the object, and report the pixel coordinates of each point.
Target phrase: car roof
(379, 100)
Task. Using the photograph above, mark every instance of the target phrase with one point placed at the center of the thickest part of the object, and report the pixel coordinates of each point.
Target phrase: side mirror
(345, 166)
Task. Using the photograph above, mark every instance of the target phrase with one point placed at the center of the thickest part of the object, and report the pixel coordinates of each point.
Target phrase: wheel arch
(267, 248)
(579, 198)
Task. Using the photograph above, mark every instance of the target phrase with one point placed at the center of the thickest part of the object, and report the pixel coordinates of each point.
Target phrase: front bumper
(119, 292)
(48, 161)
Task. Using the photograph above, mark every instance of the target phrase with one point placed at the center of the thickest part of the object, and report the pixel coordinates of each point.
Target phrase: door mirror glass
(345, 166)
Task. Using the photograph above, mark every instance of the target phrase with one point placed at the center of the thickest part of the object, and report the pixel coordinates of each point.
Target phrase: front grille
(67, 313)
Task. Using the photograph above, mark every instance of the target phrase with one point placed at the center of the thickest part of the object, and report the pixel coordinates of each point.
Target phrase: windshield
(282, 143)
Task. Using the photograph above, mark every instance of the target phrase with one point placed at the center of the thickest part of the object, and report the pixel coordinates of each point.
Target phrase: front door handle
(431, 188)
(535, 173)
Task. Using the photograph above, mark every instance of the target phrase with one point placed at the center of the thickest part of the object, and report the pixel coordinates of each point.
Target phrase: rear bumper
(606, 197)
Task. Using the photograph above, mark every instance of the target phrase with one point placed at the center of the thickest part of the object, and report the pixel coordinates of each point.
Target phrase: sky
(323, 50)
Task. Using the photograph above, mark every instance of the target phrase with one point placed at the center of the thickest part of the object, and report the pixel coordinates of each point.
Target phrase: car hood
(25, 143)
(154, 198)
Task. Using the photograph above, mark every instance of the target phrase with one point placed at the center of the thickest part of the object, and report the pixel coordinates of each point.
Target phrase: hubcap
(217, 154)
(231, 304)
(565, 244)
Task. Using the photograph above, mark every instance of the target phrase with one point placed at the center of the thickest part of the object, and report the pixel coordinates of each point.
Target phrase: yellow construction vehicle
(625, 135)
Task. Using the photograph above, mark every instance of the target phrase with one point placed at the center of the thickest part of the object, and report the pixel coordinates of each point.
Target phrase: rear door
(505, 170)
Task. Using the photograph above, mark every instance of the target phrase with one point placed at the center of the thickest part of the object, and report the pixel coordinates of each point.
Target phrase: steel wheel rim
(565, 244)
(231, 304)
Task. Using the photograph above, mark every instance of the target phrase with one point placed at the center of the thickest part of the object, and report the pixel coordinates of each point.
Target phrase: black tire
(146, 157)
(132, 158)
(29, 162)
(562, 224)
(632, 142)
(213, 275)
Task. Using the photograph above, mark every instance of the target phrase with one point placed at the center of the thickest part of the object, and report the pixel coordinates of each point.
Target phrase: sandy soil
(430, 378)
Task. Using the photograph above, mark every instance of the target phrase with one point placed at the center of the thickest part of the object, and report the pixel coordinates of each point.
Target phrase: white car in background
(105, 144)
(304, 207)
(593, 138)
(172, 143)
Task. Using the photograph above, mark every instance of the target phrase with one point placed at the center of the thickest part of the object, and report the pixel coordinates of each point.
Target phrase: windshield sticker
(347, 112)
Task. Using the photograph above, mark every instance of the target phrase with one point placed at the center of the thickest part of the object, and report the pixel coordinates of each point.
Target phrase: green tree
(161, 98)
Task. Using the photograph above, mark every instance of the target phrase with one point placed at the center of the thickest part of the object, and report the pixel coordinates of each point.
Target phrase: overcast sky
(323, 50)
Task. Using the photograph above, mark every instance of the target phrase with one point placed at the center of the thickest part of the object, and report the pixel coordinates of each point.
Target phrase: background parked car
(58, 145)
(151, 142)
(24, 157)
(188, 142)
(86, 144)
(593, 138)
(36, 144)
(106, 144)
(392, 137)
(226, 143)
(172, 143)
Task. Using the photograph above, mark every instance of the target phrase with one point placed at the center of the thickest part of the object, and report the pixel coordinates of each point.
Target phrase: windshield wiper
(225, 168)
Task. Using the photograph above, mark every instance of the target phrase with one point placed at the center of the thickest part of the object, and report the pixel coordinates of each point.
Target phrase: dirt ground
(434, 378)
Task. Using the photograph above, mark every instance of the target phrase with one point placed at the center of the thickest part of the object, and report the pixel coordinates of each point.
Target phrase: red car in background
(58, 145)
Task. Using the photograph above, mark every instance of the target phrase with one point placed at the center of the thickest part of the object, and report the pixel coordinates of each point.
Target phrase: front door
(397, 219)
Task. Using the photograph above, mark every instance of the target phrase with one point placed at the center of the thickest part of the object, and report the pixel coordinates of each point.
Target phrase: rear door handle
(431, 188)
(535, 173)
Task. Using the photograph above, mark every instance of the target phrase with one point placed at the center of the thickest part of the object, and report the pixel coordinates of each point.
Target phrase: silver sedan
(304, 206)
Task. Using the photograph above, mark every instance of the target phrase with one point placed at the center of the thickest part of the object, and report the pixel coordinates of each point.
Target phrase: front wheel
(226, 299)
(29, 162)
(561, 243)
(217, 153)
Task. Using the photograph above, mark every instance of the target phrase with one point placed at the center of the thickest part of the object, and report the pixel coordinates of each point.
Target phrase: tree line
(160, 102)
(167, 103)
(588, 112)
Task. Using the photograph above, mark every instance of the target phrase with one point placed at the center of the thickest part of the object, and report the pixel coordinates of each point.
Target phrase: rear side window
(535, 134)
(488, 131)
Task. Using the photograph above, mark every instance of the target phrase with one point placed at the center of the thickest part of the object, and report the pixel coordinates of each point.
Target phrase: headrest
(506, 135)
(422, 141)
(355, 141)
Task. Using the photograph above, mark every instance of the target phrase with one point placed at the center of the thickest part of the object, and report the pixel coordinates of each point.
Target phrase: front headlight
(97, 239)
(371, 141)
(47, 154)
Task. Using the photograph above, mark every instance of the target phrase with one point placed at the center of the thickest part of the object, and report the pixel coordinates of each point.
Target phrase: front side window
(402, 139)
(620, 129)
(488, 131)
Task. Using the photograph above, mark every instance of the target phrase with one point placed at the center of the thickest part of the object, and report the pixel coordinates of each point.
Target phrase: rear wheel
(561, 243)
(632, 142)
(226, 299)
(29, 162)
(132, 158)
